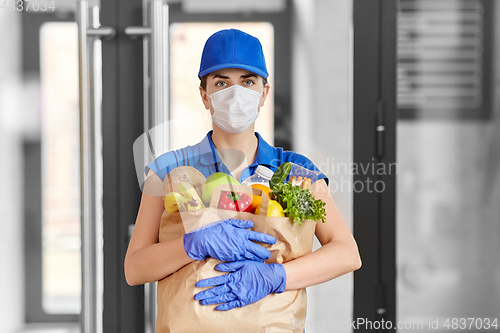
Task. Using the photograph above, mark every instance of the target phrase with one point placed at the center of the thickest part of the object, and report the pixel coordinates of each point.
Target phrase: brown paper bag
(179, 312)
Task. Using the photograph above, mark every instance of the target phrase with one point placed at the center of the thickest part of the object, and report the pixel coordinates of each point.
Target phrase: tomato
(273, 210)
(237, 201)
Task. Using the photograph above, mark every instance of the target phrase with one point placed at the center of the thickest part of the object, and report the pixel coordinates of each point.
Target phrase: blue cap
(232, 49)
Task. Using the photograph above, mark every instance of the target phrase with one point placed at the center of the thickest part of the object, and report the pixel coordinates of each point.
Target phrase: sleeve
(306, 163)
(162, 165)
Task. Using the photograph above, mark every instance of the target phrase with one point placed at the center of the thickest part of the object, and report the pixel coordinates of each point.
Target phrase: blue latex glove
(227, 241)
(249, 282)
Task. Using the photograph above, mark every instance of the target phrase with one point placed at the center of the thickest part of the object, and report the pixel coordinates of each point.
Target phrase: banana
(190, 199)
(187, 199)
(172, 201)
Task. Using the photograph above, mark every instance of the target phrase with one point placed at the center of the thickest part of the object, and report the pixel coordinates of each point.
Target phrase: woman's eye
(248, 83)
(221, 84)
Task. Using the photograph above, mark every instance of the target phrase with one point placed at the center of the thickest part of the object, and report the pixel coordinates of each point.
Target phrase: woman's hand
(227, 241)
(249, 282)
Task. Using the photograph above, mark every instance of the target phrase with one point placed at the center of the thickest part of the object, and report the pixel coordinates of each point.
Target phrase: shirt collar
(266, 154)
(208, 154)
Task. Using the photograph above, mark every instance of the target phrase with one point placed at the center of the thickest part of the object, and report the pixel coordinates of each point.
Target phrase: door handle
(105, 33)
(89, 32)
(155, 66)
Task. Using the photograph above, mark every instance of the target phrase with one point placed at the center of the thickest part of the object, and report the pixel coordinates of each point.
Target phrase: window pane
(186, 45)
(60, 168)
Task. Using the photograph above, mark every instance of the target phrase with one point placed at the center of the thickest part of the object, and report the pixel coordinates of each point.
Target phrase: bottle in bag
(262, 176)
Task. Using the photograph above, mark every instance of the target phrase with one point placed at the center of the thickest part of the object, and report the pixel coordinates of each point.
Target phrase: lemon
(274, 209)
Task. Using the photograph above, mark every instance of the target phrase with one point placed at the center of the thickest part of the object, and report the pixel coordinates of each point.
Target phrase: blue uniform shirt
(203, 157)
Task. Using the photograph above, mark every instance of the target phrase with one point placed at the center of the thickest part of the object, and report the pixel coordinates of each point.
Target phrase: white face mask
(235, 108)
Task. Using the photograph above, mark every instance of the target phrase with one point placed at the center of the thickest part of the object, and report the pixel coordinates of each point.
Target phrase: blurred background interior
(447, 139)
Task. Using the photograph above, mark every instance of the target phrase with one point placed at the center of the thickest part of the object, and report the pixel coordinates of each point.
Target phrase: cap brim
(242, 66)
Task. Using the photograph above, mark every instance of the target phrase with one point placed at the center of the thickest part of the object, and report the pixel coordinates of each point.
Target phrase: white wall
(11, 223)
(323, 126)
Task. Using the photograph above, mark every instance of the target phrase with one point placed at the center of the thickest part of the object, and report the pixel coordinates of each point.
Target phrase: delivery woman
(233, 88)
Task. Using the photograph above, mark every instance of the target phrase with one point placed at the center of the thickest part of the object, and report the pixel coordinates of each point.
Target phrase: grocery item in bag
(178, 311)
(262, 176)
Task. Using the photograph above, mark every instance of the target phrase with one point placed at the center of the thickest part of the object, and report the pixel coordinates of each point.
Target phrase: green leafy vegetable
(299, 203)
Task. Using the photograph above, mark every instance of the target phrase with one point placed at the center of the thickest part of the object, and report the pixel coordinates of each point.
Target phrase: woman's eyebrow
(246, 76)
(220, 76)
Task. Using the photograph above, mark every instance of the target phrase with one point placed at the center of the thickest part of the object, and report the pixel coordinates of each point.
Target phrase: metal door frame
(374, 24)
